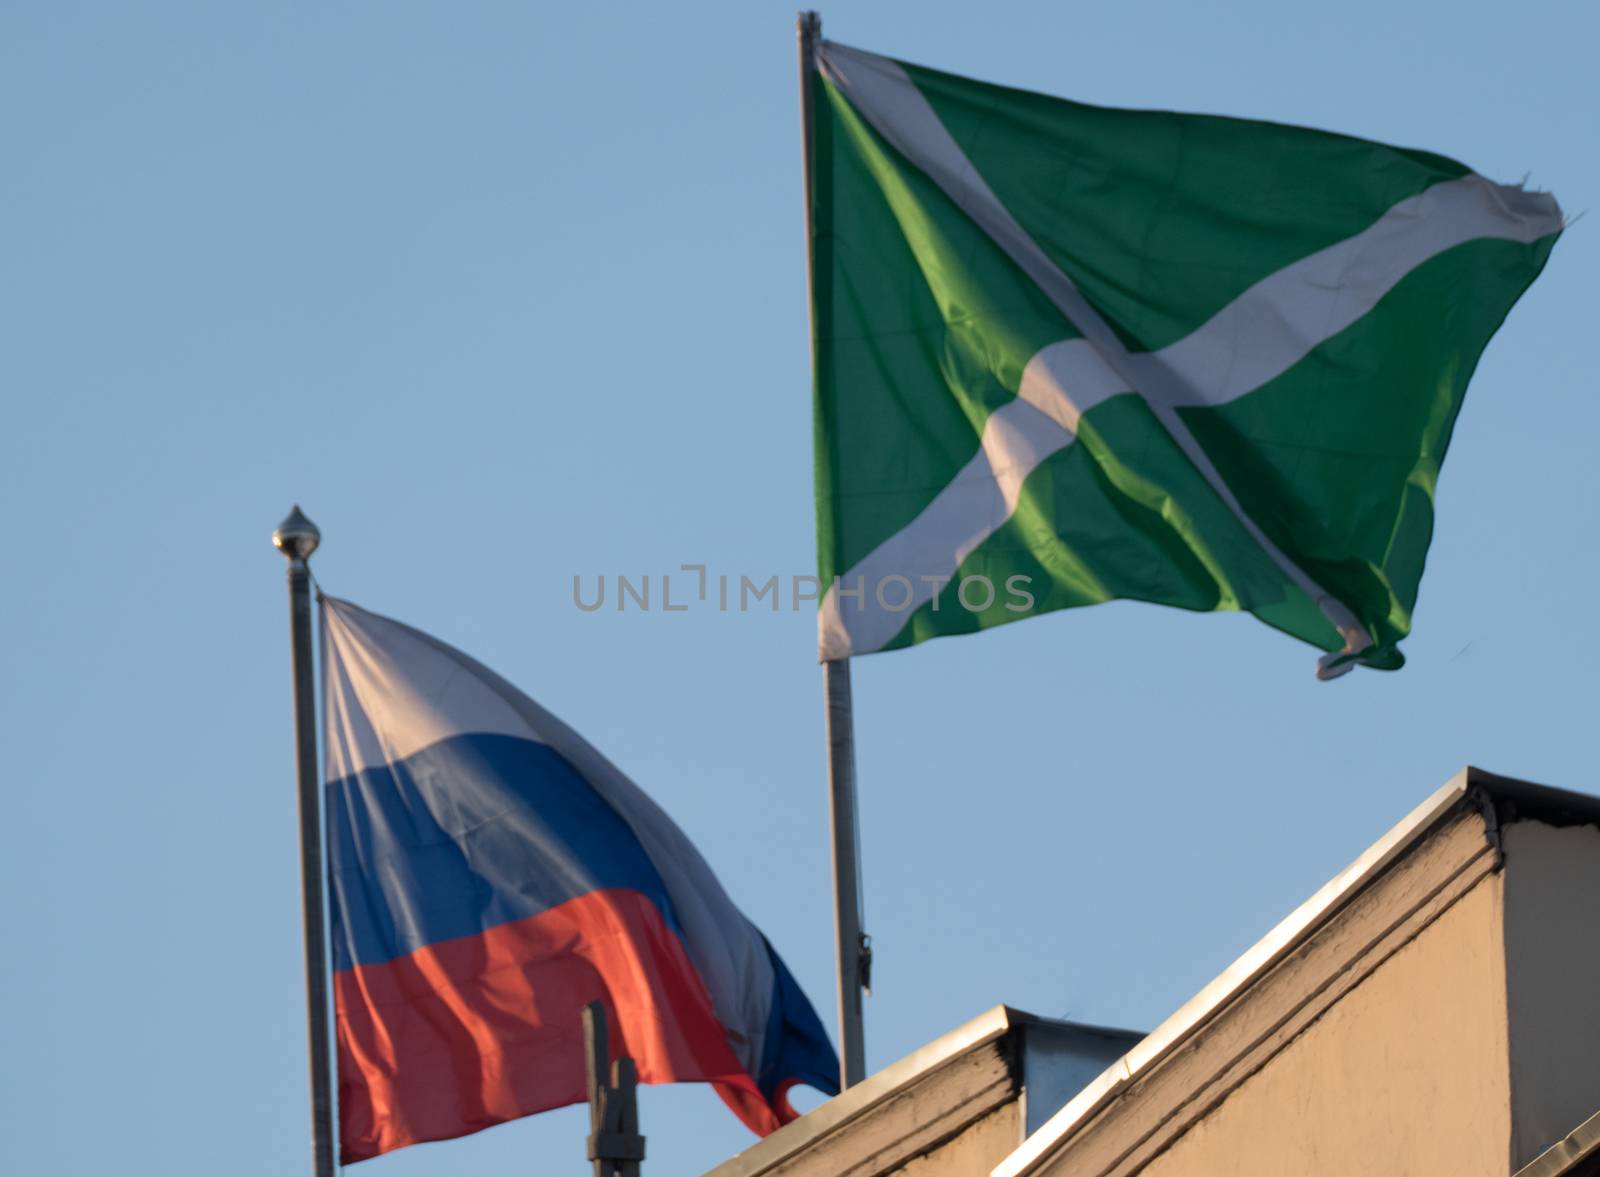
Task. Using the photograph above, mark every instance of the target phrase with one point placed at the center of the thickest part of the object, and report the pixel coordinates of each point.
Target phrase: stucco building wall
(1405, 1075)
(1553, 980)
(978, 1149)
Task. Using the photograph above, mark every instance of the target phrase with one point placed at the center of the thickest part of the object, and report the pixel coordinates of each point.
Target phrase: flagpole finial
(297, 537)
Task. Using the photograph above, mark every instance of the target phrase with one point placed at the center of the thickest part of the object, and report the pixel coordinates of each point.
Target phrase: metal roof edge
(1288, 933)
(1578, 1145)
(1517, 800)
(857, 1101)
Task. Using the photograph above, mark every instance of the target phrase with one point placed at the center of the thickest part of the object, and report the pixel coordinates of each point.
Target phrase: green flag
(1067, 354)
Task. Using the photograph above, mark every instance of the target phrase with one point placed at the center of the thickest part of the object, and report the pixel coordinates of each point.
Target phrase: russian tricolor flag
(491, 874)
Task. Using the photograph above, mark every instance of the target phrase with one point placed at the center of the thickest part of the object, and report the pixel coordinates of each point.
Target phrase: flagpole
(616, 1148)
(297, 537)
(854, 955)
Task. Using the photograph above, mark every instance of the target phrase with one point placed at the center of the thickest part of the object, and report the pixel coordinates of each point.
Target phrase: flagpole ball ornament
(297, 537)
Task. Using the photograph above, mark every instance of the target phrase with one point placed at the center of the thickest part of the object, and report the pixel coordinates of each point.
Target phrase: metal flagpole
(297, 537)
(615, 1146)
(853, 945)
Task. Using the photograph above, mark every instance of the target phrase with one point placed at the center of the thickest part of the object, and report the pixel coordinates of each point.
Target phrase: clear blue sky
(505, 293)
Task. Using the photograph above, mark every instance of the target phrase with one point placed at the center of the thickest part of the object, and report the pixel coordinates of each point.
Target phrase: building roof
(1498, 799)
(941, 1088)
